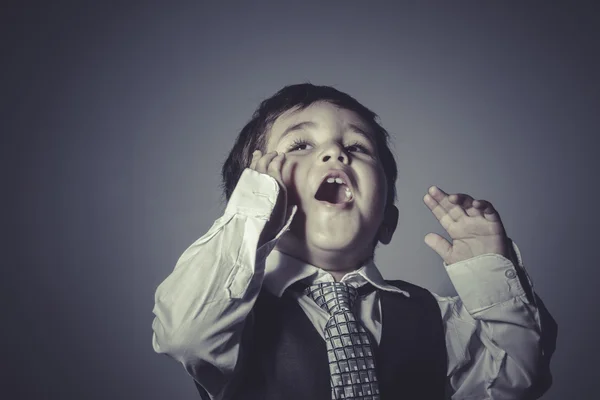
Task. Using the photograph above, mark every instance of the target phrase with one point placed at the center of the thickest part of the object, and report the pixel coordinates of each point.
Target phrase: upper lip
(336, 173)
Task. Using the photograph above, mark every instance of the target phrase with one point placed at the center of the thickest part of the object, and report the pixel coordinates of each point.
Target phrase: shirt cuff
(255, 195)
(486, 280)
(266, 248)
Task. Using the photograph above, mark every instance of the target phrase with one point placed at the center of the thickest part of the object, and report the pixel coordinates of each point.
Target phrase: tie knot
(333, 297)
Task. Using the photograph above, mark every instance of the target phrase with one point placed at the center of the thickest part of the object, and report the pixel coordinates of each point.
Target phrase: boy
(281, 299)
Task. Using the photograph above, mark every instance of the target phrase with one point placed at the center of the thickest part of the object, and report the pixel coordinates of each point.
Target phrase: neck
(337, 262)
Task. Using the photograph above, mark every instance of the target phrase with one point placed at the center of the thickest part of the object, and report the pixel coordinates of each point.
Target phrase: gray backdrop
(116, 119)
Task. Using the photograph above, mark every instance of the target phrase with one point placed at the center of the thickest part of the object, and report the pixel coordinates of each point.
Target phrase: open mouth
(334, 190)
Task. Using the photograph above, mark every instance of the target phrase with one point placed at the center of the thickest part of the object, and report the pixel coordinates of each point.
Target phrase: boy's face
(320, 141)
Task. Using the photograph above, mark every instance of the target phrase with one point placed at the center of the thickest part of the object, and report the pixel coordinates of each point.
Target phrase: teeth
(335, 180)
(348, 193)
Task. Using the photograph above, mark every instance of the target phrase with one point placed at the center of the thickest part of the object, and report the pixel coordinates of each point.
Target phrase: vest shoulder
(419, 296)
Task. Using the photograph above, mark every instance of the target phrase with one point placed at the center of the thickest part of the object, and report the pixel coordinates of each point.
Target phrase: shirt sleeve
(494, 334)
(201, 307)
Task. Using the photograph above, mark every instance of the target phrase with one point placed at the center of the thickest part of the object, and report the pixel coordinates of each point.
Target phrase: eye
(354, 147)
(298, 144)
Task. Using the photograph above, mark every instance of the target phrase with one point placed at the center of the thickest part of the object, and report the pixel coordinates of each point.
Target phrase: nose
(334, 151)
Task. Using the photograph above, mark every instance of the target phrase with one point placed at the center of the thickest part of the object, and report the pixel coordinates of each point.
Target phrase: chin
(321, 241)
(331, 236)
(337, 242)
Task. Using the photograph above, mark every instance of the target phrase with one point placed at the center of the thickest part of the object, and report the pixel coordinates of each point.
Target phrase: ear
(388, 226)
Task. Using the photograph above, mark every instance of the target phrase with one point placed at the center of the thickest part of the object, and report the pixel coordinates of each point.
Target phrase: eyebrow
(298, 127)
(360, 131)
(311, 125)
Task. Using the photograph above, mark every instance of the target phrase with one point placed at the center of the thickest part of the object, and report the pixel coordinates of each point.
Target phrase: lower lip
(340, 206)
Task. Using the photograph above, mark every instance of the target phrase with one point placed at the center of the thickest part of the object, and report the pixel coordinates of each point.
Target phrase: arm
(202, 306)
(499, 340)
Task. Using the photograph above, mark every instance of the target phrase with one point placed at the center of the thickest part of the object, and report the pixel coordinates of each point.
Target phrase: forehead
(323, 114)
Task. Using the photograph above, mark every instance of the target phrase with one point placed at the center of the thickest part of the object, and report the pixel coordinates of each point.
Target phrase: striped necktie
(351, 358)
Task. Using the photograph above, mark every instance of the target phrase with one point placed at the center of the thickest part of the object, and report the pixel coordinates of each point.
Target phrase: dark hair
(253, 135)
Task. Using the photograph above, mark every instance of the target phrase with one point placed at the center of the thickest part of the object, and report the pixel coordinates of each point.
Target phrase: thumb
(438, 244)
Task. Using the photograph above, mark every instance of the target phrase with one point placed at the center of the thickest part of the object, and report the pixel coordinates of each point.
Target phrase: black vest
(285, 358)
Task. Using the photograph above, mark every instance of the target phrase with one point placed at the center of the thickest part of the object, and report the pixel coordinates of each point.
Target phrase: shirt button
(510, 273)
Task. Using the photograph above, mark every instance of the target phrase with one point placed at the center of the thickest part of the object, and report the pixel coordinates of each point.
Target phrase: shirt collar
(283, 270)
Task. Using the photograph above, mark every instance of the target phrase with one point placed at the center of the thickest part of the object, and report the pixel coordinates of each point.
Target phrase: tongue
(331, 193)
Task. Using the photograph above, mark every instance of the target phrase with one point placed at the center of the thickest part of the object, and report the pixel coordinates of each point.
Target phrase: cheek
(291, 176)
(379, 190)
(288, 171)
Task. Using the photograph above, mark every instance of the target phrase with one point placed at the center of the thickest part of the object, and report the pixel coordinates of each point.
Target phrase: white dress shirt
(492, 328)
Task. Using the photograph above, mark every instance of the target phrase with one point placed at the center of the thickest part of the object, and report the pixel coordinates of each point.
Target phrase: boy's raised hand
(272, 164)
(474, 226)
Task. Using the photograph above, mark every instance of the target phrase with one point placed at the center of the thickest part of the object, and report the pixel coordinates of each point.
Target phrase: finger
(440, 205)
(255, 156)
(264, 161)
(455, 211)
(275, 167)
(438, 211)
(466, 202)
(487, 210)
(461, 199)
(438, 244)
